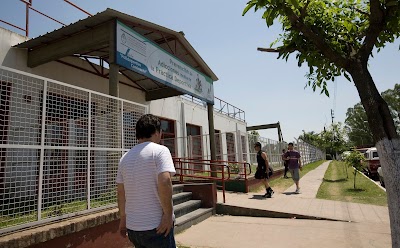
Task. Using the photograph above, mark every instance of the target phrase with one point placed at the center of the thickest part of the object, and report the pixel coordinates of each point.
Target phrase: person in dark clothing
(263, 169)
(285, 163)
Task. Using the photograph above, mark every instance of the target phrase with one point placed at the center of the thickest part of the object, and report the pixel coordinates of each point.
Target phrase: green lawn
(281, 184)
(336, 186)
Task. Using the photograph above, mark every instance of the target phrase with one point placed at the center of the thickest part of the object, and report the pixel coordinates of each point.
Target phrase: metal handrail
(221, 106)
(216, 166)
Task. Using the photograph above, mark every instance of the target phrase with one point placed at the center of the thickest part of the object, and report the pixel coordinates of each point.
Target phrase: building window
(244, 150)
(168, 135)
(195, 144)
(230, 143)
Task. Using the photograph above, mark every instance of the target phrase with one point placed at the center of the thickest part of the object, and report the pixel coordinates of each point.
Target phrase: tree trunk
(386, 139)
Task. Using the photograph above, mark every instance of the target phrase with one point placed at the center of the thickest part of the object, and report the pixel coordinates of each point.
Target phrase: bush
(234, 168)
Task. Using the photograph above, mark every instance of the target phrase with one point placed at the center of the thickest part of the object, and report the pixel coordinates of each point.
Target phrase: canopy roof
(93, 38)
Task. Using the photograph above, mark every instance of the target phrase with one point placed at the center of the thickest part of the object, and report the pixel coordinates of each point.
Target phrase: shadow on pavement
(258, 197)
(289, 193)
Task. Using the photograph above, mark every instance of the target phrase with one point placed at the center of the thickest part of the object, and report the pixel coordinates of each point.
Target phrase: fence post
(89, 144)
(42, 143)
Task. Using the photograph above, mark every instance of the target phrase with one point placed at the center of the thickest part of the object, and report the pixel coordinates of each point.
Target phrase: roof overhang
(94, 38)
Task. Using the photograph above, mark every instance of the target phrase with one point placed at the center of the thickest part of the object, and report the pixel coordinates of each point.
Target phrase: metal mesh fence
(308, 152)
(233, 146)
(273, 149)
(59, 148)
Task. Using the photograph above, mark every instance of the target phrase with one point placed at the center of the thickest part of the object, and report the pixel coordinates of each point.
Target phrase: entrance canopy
(154, 59)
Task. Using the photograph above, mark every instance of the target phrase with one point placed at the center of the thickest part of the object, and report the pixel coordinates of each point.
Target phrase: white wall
(170, 108)
(184, 112)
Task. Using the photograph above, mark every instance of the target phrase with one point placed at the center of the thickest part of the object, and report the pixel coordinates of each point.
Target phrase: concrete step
(184, 222)
(181, 197)
(177, 188)
(186, 207)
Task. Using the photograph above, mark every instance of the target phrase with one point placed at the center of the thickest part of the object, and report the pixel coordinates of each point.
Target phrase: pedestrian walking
(145, 189)
(264, 171)
(285, 163)
(294, 164)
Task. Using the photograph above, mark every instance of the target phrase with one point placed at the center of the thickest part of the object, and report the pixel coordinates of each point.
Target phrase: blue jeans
(150, 239)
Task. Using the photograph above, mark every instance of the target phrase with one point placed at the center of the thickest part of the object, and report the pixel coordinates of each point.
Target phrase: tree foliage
(336, 37)
(359, 132)
(392, 97)
(253, 137)
(313, 138)
(340, 31)
(357, 126)
(332, 139)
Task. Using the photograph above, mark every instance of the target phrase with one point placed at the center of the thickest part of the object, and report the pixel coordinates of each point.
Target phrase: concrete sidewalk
(306, 204)
(309, 184)
(246, 232)
(358, 225)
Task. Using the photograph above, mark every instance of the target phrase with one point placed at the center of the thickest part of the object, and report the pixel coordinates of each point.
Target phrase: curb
(378, 184)
(225, 209)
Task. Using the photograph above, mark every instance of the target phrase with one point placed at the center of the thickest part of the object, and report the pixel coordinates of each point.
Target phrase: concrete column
(213, 150)
(211, 129)
(185, 151)
(113, 85)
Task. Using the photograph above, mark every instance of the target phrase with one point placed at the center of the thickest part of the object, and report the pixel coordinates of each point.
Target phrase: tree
(337, 38)
(356, 118)
(355, 159)
(357, 126)
(392, 97)
(253, 137)
(332, 140)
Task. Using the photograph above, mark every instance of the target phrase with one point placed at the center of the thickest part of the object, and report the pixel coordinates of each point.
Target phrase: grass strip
(338, 187)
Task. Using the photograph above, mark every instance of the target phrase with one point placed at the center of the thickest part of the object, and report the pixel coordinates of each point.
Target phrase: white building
(65, 118)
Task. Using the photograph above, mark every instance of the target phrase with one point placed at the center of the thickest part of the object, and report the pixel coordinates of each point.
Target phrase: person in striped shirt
(145, 189)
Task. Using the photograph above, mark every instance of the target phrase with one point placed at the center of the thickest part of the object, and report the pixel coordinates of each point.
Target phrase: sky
(267, 89)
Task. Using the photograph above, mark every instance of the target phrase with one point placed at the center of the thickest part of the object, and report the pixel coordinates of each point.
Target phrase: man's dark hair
(290, 144)
(147, 125)
(257, 144)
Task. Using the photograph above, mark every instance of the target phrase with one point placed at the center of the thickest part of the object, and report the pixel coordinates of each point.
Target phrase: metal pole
(42, 143)
(76, 6)
(27, 18)
(89, 152)
(122, 126)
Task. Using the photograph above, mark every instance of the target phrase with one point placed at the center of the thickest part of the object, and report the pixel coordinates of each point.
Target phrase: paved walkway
(310, 183)
(250, 232)
(360, 225)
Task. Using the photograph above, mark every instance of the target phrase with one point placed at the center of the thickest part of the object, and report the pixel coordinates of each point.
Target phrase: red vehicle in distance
(371, 163)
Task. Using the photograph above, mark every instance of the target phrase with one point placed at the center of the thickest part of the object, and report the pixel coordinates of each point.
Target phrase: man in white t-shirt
(145, 189)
